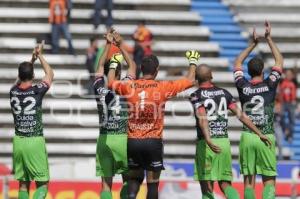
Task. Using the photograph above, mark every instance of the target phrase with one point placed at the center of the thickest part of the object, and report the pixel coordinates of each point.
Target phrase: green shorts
(111, 155)
(255, 157)
(211, 166)
(30, 159)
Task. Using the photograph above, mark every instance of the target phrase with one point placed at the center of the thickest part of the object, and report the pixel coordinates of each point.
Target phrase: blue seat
(218, 21)
(208, 4)
(227, 37)
(225, 29)
(296, 157)
(213, 12)
(206, 0)
(233, 45)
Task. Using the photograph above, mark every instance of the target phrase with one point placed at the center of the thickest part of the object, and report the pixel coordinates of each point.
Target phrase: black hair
(26, 72)
(255, 67)
(142, 22)
(92, 39)
(106, 69)
(149, 65)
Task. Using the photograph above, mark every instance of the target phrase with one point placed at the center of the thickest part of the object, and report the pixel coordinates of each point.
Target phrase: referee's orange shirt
(146, 101)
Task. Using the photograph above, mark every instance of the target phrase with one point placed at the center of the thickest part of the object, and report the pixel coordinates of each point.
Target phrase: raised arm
(131, 64)
(48, 78)
(33, 57)
(203, 123)
(238, 64)
(193, 58)
(100, 70)
(274, 49)
(246, 121)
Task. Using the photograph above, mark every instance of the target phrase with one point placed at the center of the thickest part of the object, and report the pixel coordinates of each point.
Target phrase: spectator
(97, 17)
(143, 41)
(90, 62)
(69, 8)
(288, 89)
(58, 20)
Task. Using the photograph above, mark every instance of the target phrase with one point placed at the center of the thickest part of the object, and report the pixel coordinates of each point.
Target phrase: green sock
(23, 195)
(208, 195)
(249, 193)
(269, 192)
(106, 195)
(231, 193)
(40, 193)
(123, 193)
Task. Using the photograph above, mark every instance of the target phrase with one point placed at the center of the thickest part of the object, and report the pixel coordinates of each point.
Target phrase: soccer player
(213, 155)
(111, 155)
(146, 98)
(30, 161)
(257, 97)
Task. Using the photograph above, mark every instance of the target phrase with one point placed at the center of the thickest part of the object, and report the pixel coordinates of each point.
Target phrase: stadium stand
(226, 31)
(70, 116)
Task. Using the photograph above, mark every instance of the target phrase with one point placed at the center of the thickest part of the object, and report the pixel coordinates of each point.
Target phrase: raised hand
(117, 38)
(255, 36)
(34, 57)
(37, 51)
(39, 48)
(267, 29)
(193, 57)
(109, 37)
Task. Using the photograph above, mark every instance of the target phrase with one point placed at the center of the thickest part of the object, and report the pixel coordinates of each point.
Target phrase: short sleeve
(274, 77)
(122, 87)
(42, 87)
(196, 101)
(99, 83)
(239, 78)
(229, 99)
(171, 88)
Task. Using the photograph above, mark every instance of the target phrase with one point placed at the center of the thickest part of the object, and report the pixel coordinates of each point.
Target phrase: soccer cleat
(115, 60)
(193, 56)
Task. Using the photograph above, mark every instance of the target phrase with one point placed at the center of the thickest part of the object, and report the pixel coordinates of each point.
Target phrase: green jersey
(112, 109)
(26, 106)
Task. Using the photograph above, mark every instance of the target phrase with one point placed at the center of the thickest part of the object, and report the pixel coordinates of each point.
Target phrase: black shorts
(145, 154)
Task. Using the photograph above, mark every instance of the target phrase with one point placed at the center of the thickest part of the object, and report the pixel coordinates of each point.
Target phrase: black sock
(134, 187)
(152, 190)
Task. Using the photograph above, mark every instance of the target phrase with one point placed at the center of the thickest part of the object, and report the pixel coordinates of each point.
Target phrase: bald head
(203, 73)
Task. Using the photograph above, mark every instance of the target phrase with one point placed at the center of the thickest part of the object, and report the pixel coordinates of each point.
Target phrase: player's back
(216, 102)
(26, 106)
(146, 100)
(112, 109)
(258, 98)
(146, 105)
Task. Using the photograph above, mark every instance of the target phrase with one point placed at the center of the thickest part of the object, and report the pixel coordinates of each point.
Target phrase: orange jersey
(146, 100)
(57, 11)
